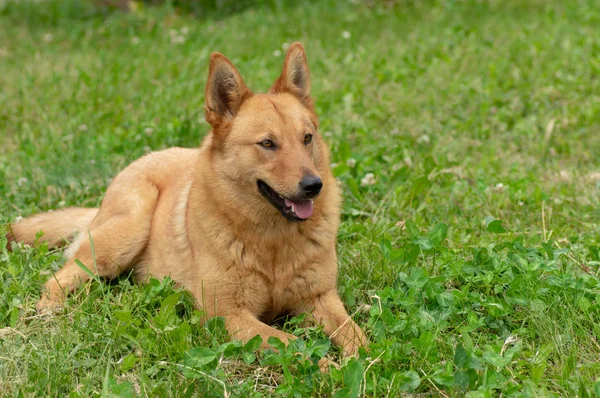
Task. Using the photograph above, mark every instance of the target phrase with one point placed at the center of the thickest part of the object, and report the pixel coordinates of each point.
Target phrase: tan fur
(59, 226)
(197, 215)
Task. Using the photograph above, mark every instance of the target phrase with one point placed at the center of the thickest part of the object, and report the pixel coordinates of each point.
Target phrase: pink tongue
(302, 209)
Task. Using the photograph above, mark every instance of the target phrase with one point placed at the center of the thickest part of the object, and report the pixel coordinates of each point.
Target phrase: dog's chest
(274, 273)
(289, 291)
(287, 270)
(285, 278)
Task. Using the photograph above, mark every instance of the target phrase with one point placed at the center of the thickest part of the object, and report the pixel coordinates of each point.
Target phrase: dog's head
(267, 145)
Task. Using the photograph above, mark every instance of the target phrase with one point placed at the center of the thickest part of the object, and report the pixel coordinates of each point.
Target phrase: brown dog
(247, 222)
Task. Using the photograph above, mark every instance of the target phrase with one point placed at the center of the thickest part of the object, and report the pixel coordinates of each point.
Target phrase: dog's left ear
(295, 77)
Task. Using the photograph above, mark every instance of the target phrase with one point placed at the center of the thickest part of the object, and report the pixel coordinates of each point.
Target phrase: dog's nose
(311, 185)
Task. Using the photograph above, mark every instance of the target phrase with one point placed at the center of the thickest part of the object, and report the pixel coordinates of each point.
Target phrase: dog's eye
(267, 144)
(307, 139)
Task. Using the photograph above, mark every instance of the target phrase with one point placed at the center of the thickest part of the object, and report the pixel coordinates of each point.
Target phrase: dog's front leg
(329, 311)
(244, 326)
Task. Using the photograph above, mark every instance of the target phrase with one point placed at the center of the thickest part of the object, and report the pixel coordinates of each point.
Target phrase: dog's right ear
(225, 90)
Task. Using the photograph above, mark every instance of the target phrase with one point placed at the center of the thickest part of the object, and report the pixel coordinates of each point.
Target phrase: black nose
(311, 185)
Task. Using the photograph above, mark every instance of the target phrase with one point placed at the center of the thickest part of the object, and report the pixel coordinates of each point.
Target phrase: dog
(247, 222)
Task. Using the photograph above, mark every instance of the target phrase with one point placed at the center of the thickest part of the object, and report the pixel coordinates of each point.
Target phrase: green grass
(472, 259)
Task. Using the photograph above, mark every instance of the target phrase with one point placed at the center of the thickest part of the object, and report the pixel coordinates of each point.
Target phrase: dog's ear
(225, 90)
(295, 77)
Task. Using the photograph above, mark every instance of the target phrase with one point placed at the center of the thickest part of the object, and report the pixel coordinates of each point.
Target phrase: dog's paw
(47, 306)
(325, 363)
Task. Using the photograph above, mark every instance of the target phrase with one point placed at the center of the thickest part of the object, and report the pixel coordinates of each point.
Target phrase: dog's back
(60, 227)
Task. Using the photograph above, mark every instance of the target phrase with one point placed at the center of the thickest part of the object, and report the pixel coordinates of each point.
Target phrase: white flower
(328, 134)
(177, 39)
(185, 30)
(148, 130)
(83, 127)
(521, 203)
(277, 53)
(173, 32)
(62, 203)
(48, 37)
(368, 179)
(22, 181)
(408, 161)
(499, 187)
(594, 176)
(333, 165)
(351, 162)
(93, 161)
(135, 40)
(424, 139)
(285, 46)
(564, 176)
(346, 35)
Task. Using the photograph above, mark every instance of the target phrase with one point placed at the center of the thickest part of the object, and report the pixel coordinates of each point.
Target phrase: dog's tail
(58, 226)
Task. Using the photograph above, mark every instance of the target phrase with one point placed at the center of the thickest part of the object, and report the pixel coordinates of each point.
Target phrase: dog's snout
(311, 185)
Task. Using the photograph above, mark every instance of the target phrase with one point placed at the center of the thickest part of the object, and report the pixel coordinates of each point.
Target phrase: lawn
(466, 135)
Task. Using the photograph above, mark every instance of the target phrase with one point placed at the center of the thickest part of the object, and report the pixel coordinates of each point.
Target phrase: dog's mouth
(293, 210)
